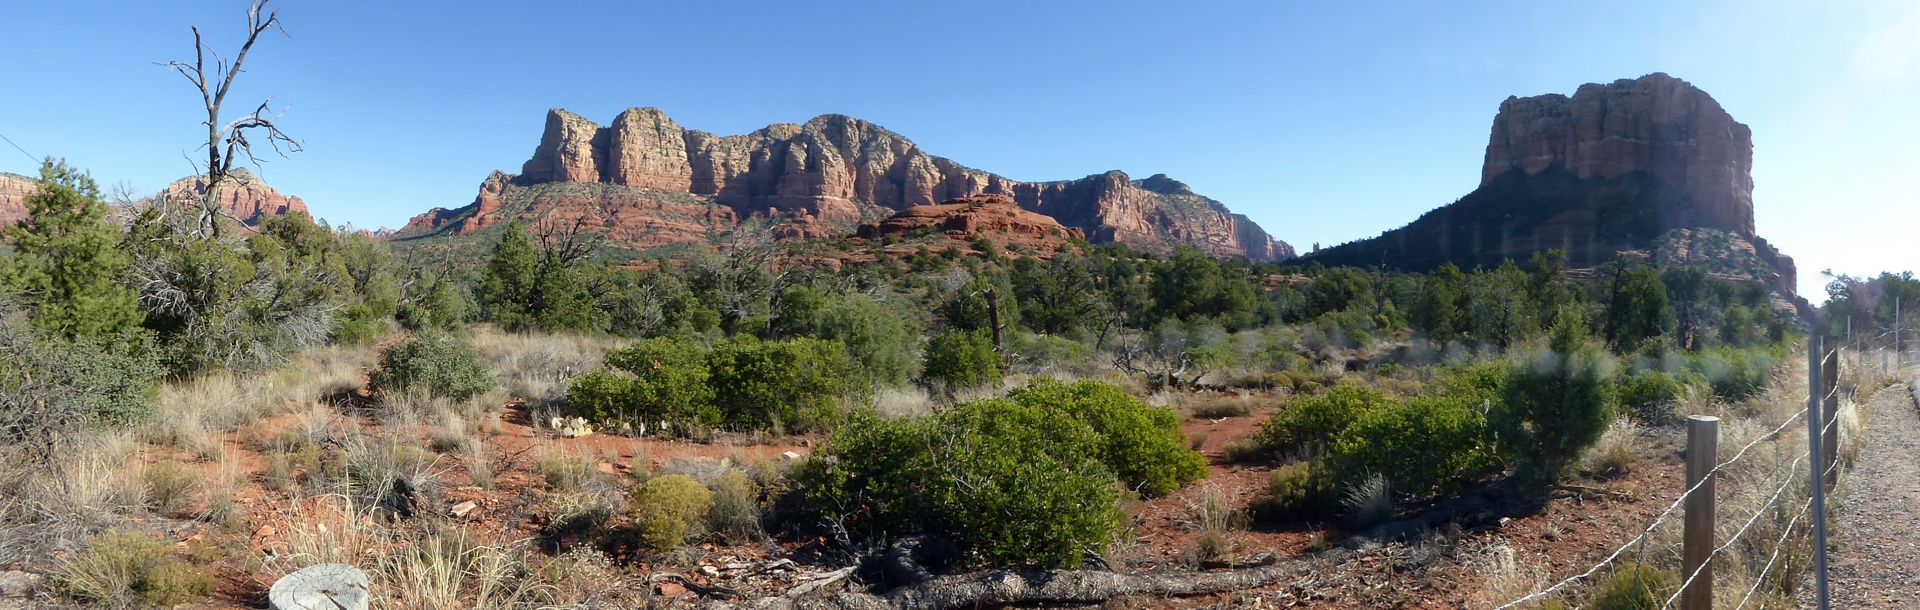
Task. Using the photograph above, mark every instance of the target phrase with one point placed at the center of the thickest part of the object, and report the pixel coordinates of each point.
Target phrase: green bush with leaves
(1651, 395)
(1421, 446)
(962, 359)
(670, 508)
(794, 386)
(1310, 425)
(650, 381)
(1557, 402)
(1029, 479)
(436, 362)
(1141, 444)
(67, 260)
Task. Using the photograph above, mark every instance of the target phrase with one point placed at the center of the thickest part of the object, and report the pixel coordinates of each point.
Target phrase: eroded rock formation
(243, 194)
(1648, 164)
(838, 171)
(1656, 124)
(958, 222)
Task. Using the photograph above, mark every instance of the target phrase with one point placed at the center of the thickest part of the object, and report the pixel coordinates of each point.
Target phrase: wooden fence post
(1703, 453)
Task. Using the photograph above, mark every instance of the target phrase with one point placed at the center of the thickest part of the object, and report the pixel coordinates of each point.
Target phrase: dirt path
(1877, 564)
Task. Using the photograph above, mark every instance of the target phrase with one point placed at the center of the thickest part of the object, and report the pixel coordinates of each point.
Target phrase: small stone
(608, 468)
(463, 508)
(18, 584)
(266, 531)
(790, 456)
(669, 589)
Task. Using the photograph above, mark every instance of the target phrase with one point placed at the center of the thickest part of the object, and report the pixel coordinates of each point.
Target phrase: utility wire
(18, 148)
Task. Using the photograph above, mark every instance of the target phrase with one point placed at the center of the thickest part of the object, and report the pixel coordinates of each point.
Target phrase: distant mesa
(1650, 165)
(245, 195)
(649, 182)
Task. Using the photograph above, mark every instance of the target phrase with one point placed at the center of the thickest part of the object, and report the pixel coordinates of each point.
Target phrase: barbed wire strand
(1663, 515)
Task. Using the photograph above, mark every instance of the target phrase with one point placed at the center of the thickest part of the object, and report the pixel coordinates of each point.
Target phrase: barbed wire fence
(1798, 535)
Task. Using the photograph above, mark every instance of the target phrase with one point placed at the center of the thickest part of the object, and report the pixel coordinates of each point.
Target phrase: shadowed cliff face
(839, 171)
(1635, 165)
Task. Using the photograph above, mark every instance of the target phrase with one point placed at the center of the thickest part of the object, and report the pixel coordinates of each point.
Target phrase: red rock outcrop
(1656, 123)
(248, 198)
(835, 169)
(14, 189)
(997, 218)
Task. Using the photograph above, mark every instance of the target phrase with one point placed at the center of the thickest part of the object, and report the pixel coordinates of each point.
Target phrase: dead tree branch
(214, 83)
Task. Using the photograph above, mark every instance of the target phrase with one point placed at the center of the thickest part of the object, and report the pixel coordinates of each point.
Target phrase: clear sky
(1323, 121)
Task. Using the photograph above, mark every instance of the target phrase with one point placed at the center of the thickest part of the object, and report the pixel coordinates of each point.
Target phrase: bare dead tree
(563, 244)
(229, 139)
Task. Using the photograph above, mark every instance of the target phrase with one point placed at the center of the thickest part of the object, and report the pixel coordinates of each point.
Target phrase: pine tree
(67, 261)
(508, 282)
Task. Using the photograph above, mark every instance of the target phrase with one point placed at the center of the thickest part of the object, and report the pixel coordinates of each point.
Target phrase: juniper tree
(67, 263)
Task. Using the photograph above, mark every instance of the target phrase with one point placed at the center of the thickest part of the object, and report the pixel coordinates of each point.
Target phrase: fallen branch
(1042, 587)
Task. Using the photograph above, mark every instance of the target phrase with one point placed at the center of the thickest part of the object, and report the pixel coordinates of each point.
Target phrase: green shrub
(1735, 374)
(794, 385)
(440, 363)
(563, 471)
(170, 485)
(669, 509)
(128, 568)
(1309, 425)
(1635, 588)
(1030, 479)
(1303, 491)
(651, 381)
(1141, 444)
(962, 359)
(1421, 446)
(1651, 395)
(1557, 402)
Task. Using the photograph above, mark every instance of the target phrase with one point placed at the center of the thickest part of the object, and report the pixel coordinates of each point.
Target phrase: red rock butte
(834, 172)
(1657, 124)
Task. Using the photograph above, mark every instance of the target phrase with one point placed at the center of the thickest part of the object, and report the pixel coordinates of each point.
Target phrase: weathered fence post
(1703, 451)
(1830, 414)
(1818, 456)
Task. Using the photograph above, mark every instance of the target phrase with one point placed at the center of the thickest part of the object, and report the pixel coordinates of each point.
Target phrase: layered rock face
(1645, 165)
(1656, 124)
(14, 189)
(836, 171)
(243, 194)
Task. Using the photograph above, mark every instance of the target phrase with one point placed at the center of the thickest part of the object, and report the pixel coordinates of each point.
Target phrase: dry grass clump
(1616, 451)
(170, 486)
(563, 470)
(125, 569)
(452, 569)
(538, 367)
(1216, 516)
(1369, 502)
(1215, 406)
(902, 402)
(1505, 577)
(736, 512)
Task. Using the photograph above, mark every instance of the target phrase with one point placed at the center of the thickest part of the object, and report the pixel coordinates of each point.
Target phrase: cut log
(328, 586)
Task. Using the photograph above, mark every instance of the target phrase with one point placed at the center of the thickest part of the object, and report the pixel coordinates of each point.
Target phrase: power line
(18, 148)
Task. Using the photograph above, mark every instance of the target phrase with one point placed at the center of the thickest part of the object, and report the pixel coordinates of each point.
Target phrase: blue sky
(1325, 122)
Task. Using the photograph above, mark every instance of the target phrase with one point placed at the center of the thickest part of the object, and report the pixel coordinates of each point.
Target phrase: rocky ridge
(245, 195)
(837, 171)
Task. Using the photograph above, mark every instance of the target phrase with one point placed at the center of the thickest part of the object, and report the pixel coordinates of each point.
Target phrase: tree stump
(330, 586)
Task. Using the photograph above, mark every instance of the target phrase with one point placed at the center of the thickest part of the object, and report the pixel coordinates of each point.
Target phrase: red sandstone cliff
(246, 196)
(834, 170)
(1657, 124)
(14, 189)
(997, 218)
